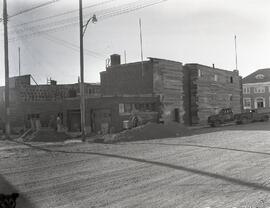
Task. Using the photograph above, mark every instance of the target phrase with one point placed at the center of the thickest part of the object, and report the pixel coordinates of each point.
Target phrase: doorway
(74, 120)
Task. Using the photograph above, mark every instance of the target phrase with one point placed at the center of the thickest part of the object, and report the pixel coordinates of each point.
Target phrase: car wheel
(244, 120)
(265, 118)
(238, 122)
(217, 123)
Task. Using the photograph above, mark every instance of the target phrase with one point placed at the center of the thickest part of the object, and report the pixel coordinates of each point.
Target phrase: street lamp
(82, 94)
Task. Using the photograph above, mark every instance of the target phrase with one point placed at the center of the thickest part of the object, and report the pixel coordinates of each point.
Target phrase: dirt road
(228, 168)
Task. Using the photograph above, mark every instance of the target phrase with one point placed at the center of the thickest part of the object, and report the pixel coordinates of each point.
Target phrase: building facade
(155, 77)
(208, 90)
(42, 102)
(153, 90)
(256, 90)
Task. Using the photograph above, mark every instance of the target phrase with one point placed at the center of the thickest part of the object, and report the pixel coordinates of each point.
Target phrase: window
(199, 73)
(259, 103)
(259, 89)
(72, 93)
(127, 108)
(121, 108)
(230, 97)
(247, 103)
(259, 76)
(246, 90)
(216, 77)
(231, 79)
(32, 116)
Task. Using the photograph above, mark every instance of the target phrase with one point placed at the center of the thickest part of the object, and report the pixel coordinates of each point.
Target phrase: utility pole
(235, 48)
(125, 55)
(82, 90)
(141, 44)
(7, 110)
(19, 51)
(82, 95)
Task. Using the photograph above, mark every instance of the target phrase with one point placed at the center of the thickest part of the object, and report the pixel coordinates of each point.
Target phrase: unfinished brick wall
(129, 79)
(168, 83)
(159, 77)
(38, 93)
(43, 100)
(210, 90)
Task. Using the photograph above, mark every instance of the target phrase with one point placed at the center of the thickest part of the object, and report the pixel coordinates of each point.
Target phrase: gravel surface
(221, 167)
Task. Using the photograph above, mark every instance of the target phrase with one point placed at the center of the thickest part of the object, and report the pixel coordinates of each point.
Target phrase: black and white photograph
(134, 104)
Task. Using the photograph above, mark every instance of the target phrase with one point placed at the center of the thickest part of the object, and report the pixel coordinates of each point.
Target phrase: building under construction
(155, 90)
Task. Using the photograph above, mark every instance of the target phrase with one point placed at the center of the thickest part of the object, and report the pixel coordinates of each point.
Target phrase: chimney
(115, 59)
(213, 66)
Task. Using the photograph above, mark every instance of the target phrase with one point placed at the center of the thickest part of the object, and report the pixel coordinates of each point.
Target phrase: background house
(256, 90)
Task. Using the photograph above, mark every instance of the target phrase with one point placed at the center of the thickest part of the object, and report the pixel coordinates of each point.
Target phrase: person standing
(58, 123)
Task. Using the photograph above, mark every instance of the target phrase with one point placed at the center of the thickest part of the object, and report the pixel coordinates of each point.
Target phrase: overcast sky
(197, 31)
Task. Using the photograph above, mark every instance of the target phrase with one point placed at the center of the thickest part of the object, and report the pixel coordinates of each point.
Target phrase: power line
(73, 46)
(74, 18)
(107, 15)
(33, 8)
(62, 14)
(128, 10)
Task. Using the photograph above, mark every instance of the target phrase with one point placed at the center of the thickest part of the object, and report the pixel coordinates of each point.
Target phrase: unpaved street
(228, 168)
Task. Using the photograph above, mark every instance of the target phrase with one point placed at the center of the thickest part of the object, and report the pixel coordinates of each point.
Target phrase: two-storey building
(256, 90)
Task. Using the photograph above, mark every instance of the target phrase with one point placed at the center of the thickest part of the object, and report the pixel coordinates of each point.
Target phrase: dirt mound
(48, 135)
(153, 131)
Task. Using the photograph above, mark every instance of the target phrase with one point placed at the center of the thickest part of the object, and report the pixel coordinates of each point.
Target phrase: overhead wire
(75, 18)
(73, 47)
(61, 14)
(105, 15)
(33, 8)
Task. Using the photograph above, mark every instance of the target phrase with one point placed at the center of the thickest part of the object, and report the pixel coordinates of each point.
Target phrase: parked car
(250, 116)
(226, 115)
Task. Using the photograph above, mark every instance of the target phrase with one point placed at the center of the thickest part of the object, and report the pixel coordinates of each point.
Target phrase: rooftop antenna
(19, 51)
(141, 43)
(235, 47)
(125, 55)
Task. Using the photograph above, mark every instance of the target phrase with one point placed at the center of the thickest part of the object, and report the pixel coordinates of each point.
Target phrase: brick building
(256, 90)
(44, 102)
(208, 90)
(155, 77)
(153, 90)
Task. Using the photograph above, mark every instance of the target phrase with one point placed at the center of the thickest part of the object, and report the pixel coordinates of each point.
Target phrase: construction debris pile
(149, 131)
(47, 135)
